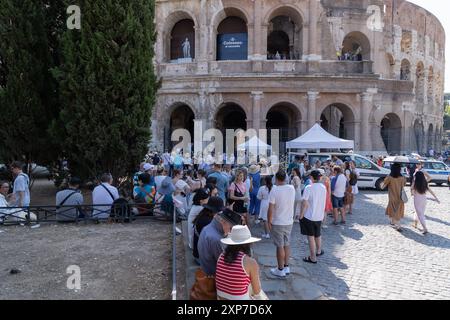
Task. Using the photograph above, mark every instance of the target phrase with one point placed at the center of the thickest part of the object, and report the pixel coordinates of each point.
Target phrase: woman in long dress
(419, 190)
(263, 196)
(297, 183)
(396, 207)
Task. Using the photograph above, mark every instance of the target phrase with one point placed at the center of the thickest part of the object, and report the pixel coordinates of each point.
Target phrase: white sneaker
(257, 221)
(277, 272)
(265, 236)
(287, 270)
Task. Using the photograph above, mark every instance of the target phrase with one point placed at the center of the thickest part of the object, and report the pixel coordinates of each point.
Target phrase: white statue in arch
(186, 49)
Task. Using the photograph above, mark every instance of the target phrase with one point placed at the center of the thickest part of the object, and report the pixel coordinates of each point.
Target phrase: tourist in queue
(103, 197)
(348, 196)
(21, 186)
(297, 184)
(237, 273)
(326, 181)
(312, 215)
(201, 198)
(237, 195)
(5, 201)
(209, 250)
(280, 220)
(338, 187)
(263, 196)
(221, 181)
(419, 189)
(204, 217)
(255, 181)
(70, 197)
(396, 207)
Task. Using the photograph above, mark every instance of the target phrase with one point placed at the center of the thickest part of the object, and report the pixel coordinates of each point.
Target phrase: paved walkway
(367, 259)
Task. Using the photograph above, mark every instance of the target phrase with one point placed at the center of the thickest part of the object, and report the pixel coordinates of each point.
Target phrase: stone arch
(357, 45)
(339, 120)
(231, 16)
(406, 42)
(405, 70)
(230, 115)
(420, 82)
(284, 22)
(170, 22)
(286, 117)
(180, 116)
(391, 133)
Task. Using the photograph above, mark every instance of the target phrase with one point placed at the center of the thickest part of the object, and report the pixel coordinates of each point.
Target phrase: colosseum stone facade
(370, 71)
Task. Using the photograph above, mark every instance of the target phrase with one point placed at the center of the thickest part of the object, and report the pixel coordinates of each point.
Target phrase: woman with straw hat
(237, 273)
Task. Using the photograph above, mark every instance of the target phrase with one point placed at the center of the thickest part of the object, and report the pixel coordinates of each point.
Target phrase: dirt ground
(117, 261)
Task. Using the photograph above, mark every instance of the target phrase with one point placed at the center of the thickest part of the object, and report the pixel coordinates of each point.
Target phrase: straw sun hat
(239, 235)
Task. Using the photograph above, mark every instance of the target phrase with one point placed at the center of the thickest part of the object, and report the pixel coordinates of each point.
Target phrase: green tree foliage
(28, 92)
(107, 87)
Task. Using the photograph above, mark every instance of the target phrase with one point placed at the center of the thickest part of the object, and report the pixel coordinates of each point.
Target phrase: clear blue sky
(441, 9)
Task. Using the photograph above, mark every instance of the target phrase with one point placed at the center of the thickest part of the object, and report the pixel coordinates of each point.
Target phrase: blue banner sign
(232, 46)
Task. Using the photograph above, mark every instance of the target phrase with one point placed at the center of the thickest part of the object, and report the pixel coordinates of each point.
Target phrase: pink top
(241, 187)
(232, 281)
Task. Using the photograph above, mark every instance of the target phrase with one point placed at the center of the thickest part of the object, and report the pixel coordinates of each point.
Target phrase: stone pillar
(357, 138)
(313, 34)
(257, 96)
(202, 36)
(258, 31)
(312, 117)
(366, 107)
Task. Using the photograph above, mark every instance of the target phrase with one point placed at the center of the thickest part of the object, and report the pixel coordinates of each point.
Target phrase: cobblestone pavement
(367, 259)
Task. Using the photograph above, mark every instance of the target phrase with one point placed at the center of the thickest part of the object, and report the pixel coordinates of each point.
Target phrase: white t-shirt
(101, 196)
(339, 189)
(263, 195)
(22, 184)
(283, 197)
(316, 195)
(181, 185)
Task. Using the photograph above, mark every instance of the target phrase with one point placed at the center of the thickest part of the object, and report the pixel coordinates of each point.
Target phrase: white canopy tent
(318, 138)
(256, 144)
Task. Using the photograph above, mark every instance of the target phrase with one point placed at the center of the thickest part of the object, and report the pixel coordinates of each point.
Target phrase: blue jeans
(254, 204)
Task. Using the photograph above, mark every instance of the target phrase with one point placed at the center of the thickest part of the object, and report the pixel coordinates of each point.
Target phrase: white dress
(263, 195)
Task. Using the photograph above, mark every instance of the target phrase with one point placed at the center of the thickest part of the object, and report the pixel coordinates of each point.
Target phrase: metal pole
(174, 255)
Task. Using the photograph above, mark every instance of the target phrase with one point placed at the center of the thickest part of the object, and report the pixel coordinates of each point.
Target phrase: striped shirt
(232, 281)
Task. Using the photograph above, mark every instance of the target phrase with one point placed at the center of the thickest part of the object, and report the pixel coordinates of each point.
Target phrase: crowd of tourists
(224, 203)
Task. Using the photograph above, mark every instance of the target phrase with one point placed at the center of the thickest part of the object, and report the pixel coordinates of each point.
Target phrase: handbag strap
(110, 193)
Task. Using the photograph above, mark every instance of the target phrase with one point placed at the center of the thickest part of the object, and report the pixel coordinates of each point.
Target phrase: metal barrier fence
(123, 212)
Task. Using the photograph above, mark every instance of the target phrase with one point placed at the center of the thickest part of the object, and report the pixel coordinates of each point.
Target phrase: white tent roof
(318, 138)
(254, 142)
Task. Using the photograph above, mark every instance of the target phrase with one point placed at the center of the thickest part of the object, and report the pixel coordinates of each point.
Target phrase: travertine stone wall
(367, 94)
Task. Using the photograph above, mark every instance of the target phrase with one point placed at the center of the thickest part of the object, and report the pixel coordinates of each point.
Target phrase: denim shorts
(338, 203)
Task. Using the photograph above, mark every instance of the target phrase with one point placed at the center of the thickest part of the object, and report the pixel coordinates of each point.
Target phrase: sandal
(320, 254)
(308, 260)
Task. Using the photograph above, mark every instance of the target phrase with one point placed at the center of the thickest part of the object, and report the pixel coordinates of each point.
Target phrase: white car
(438, 171)
(370, 174)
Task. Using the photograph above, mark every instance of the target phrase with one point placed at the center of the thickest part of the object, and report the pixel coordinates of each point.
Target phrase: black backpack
(120, 208)
(156, 160)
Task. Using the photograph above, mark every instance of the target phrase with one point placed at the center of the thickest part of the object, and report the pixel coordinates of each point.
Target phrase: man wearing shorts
(280, 221)
(338, 186)
(312, 215)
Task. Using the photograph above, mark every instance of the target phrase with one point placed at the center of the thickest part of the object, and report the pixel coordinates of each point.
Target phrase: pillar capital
(257, 95)
(312, 95)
